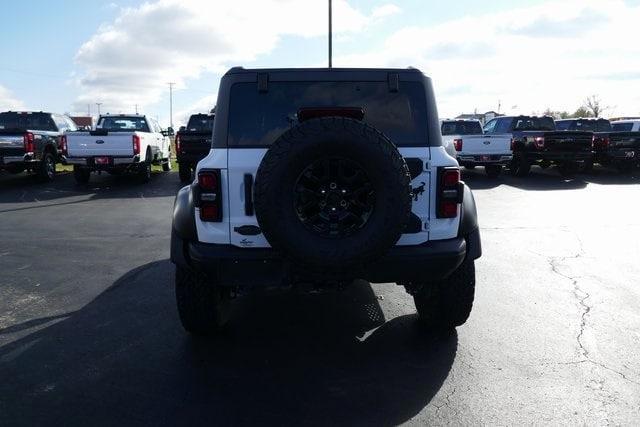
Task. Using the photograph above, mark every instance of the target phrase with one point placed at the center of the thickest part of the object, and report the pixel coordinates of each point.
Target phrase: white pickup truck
(120, 143)
(474, 148)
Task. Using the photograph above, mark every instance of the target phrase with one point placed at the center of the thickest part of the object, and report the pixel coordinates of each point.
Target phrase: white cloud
(8, 100)
(130, 60)
(385, 10)
(551, 55)
(203, 105)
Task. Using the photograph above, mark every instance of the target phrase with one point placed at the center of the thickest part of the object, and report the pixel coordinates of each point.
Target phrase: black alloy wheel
(334, 197)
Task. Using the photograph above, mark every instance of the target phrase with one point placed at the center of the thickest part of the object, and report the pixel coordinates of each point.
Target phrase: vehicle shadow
(26, 189)
(549, 179)
(285, 359)
(537, 180)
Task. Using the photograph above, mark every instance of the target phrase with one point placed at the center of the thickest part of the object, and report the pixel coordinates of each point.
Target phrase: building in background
(483, 117)
(84, 121)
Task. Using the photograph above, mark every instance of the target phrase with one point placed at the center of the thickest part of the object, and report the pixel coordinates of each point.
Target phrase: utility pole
(89, 110)
(98, 104)
(171, 103)
(136, 108)
(330, 36)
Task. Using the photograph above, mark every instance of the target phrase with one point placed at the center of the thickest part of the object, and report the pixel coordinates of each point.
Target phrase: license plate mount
(102, 160)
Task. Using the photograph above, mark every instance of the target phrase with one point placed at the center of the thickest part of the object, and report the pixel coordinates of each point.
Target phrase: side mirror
(182, 129)
(170, 131)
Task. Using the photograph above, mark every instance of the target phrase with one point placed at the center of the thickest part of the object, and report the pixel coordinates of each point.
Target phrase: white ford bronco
(324, 176)
(120, 143)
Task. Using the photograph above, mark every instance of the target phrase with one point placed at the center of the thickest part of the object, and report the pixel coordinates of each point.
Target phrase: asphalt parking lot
(89, 332)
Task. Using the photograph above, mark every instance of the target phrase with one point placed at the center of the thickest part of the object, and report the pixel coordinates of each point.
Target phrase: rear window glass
(258, 119)
(461, 128)
(622, 127)
(200, 123)
(27, 121)
(123, 124)
(534, 123)
(584, 125)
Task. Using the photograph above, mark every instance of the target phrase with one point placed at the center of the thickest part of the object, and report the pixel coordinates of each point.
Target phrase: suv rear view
(325, 176)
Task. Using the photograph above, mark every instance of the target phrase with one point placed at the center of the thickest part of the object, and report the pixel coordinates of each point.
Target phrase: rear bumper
(89, 162)
(5, 160)
(560, 156)
(624, 155)
(244, 267)
(485, 160)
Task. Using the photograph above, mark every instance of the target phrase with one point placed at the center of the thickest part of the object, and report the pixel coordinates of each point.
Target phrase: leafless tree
(593, 104)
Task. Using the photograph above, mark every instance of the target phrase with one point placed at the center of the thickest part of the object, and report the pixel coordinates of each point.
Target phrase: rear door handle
(248, 194)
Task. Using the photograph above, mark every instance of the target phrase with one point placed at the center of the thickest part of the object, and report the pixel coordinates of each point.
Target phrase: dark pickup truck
(32, 141)
(614, 144)
(536, 141)
(193, 143)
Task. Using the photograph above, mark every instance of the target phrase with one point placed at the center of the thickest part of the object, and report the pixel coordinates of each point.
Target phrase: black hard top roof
(241, 70)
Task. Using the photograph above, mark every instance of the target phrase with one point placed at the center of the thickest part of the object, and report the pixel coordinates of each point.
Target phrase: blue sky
(65, 56)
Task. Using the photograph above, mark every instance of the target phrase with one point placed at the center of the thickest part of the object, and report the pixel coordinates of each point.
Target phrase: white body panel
(235, 163)
(119, 144)
(83, 144)
(485, 145)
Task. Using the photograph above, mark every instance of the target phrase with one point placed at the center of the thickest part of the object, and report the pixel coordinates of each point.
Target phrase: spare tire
(332, 193)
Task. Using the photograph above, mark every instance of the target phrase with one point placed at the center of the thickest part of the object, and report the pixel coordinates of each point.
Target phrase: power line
(171, 84)
(330, 36)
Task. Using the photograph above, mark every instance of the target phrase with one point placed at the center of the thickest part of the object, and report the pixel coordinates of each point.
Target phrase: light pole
(98, 104)
(171, 104)
(330, 36)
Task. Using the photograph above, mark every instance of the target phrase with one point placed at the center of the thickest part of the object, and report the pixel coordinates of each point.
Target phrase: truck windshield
(200, 123)
(123, 124)
(257, 119)
(622, 127)
(27, 121)
(534, 123)
(461, 128)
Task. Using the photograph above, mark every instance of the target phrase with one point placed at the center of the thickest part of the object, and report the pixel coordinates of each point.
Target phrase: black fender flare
(469, 228)
(183, 225)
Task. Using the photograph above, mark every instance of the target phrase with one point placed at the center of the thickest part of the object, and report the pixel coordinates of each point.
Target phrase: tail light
(63, 145)
(450, 192)
(136, 144)
(605, 141)
(457, 144)
(539, 142)
(594, 142)
(209, 195)
(177, 142)
(29, 142)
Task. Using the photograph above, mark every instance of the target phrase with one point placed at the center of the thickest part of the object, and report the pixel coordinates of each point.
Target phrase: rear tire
(493, 171)
(81, 175)
(445, 304)
(144, 173)
(520, 167)
(184, 171)
(203, 306)
(166, 166)
(46, 170)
